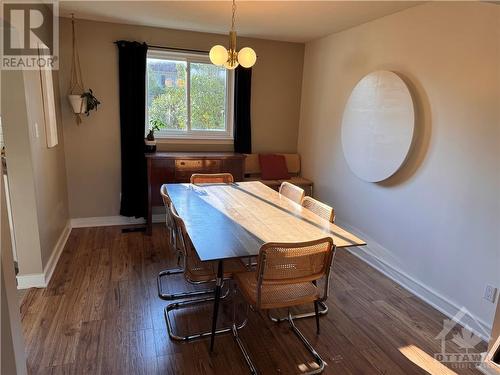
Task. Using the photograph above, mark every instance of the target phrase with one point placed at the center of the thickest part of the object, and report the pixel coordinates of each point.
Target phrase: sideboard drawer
(212, 166)
(188, 165)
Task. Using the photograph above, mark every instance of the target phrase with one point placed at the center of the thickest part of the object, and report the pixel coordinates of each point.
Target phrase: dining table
(231, 221)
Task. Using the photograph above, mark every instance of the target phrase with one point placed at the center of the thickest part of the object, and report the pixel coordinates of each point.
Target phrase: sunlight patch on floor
(425, 361)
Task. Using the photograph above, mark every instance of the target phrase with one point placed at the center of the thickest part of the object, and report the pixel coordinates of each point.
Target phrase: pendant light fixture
(231, 58)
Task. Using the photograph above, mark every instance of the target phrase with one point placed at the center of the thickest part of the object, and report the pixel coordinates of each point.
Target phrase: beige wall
(37, 175)
(49, 169)
(437, 220)
(93, 148)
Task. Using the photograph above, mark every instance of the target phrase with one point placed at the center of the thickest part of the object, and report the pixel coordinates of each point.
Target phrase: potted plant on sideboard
(150, 141)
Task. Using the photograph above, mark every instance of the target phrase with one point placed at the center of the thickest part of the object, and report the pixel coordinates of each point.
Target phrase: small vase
(149, 146)
(78, 103)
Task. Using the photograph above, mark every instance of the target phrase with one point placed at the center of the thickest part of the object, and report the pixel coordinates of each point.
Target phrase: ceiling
(293, 21)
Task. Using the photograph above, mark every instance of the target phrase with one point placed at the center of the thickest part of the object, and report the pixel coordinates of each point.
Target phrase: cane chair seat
(212, 178)
(275, 296)
(292, 192)
(319, 208)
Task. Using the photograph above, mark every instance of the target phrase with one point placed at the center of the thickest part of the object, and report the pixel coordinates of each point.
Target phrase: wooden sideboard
(171, 167)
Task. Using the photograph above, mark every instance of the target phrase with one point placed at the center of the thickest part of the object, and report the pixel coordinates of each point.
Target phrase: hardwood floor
(101, 315)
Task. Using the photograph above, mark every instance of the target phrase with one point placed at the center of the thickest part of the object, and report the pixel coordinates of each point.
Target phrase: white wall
(436, 221)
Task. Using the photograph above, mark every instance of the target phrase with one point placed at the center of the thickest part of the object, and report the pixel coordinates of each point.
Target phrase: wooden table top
(234, 220)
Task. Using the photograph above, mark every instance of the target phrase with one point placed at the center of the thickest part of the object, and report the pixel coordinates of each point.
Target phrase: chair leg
(317, 357)
(322, 310)
(316, 311)
(177, 295)
(248, 360)
(244, 351)
(199, 335)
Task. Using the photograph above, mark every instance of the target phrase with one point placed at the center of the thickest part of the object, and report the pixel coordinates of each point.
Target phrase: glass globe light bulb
(218, 55)
(247, 57)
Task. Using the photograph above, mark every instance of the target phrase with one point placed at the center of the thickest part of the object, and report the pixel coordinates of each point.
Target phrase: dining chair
(319, 208)
(174, 244)
(326, 212)
(209, 178)
(198, 272)
(292, 192)
(286, 276)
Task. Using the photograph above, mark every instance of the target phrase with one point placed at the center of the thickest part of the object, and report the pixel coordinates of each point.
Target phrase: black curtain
(132, 75)
(242, 121)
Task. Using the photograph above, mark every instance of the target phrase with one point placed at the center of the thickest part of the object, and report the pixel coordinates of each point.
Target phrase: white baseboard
(41, 280)
(56, 253)
(416, 287)
(106, 221)
(33, 280)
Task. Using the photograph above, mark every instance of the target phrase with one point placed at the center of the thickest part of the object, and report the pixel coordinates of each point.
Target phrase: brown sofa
(252, 172)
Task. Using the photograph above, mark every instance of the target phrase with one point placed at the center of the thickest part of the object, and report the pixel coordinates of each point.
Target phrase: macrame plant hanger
(76, 82)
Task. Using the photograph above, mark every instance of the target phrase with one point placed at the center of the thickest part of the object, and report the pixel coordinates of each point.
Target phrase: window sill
(196, 141)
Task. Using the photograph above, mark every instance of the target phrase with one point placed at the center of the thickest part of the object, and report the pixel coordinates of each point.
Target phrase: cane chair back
(166, 203)
(319, 208)
(193, 266)
(292, 192)
(286, 272)
(214, 178)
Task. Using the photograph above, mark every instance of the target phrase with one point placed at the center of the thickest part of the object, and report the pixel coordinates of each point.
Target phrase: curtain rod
(172, 48)
(177, 49)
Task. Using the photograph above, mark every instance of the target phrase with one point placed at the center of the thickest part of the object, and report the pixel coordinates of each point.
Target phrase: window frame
(196, 136)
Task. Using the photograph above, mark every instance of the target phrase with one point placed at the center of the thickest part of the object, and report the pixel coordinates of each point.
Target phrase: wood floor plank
(101, 315)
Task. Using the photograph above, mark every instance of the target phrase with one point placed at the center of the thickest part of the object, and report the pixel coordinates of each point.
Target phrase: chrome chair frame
(199, 335)
(296, 331)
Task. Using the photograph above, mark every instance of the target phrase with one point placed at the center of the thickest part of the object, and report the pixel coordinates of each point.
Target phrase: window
(193, 97)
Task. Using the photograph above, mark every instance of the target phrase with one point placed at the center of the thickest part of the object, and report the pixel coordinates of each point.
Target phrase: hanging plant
(91, 101)
(82, 102)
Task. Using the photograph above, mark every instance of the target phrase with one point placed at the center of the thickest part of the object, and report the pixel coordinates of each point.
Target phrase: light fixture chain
(233, 18)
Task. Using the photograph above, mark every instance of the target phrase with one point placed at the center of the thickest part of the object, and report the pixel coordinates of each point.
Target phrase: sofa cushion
(252, 164)
(292, 163)
(273, 167)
